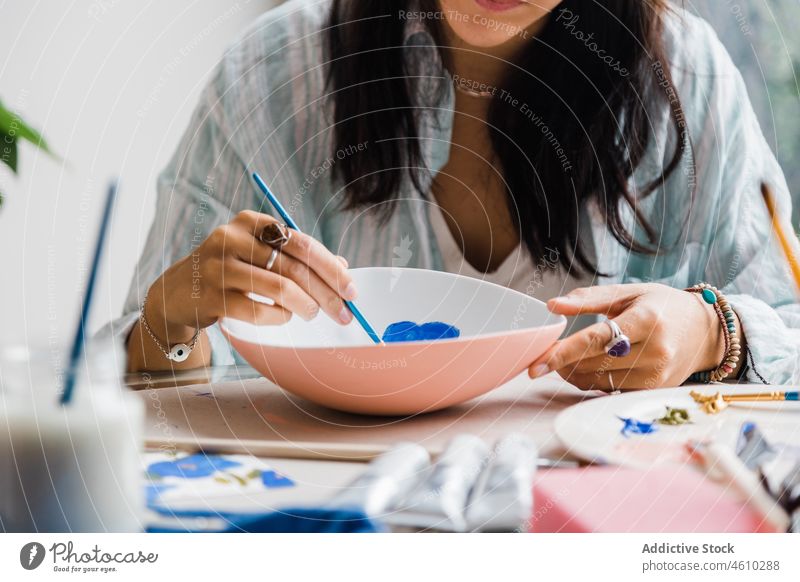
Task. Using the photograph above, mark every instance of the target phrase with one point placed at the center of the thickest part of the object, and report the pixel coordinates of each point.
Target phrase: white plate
(592, 429)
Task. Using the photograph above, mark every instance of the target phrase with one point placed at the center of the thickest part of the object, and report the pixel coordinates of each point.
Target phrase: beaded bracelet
(715, 298)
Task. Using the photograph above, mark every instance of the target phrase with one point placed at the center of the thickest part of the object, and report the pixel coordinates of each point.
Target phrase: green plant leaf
(33, 136)
(6, 118)
(8, 152)
(13, 125)
(13, 129)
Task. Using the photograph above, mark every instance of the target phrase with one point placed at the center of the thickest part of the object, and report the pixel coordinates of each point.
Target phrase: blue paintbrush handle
(293, 225)
(363, 321)
(80, 333)
(275, 203)
(793, 396)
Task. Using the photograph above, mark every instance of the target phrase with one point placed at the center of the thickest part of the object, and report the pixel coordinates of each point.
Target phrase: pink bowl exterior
(403, 378)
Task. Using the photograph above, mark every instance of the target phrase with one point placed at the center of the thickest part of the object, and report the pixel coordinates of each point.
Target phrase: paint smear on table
(408, 331)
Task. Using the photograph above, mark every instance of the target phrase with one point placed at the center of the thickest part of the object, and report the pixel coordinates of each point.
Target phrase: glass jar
(70, 468)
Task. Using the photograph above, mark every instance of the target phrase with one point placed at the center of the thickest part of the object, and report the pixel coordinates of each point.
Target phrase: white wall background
(112, 84)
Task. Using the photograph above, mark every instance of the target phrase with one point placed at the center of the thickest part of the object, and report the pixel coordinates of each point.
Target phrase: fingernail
(345, 316)
(539, 370)
(350, 292)
(312, 313)
(563, 299)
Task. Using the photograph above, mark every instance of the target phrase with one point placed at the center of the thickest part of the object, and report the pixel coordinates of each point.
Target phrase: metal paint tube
(502, 499)
(387, 479)
(752, 448)
(440, 501)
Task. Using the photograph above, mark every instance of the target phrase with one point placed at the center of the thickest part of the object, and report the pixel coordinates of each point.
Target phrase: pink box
(675, 499)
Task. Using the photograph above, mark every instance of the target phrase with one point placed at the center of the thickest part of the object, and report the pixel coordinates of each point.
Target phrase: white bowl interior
(388, 295)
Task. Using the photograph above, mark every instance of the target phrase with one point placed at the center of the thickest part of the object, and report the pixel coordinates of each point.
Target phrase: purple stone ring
(619, 345)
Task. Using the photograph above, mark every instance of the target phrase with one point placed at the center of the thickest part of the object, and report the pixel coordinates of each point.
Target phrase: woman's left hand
(673, 334)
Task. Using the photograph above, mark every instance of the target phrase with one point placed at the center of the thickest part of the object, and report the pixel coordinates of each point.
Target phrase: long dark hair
(594, 116)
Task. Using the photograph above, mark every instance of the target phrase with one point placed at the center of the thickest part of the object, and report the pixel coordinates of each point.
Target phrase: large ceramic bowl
(502, 333)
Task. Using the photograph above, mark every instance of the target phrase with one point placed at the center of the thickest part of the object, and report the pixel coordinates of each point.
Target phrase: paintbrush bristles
(710, 404)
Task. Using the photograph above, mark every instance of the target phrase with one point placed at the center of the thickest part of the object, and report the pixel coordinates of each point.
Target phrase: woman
(603, 156)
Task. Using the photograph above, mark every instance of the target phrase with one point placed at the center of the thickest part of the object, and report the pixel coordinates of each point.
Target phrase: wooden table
(234, 410)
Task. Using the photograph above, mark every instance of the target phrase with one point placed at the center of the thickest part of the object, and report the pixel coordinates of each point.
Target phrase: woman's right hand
(215, 279)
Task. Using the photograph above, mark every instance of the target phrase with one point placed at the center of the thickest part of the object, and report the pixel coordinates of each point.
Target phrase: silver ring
(620, 344)
(275, 235)
(273, 256)
(613, 390)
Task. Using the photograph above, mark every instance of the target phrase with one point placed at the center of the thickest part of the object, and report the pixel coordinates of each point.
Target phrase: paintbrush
(78, 344)
(787, 241)
(718, 402)
(293, 225)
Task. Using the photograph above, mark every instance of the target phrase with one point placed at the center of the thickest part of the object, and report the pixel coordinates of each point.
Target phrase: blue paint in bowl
(408, 331)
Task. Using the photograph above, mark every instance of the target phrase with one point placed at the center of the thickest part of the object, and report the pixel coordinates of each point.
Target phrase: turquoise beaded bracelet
(727, 318)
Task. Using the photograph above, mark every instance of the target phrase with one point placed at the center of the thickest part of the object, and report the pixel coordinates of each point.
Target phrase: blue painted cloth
(296, 520)
(192, 467)
(196, 479)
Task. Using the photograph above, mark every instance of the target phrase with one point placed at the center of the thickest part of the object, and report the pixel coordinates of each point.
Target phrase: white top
(727, 240)
(542, 279)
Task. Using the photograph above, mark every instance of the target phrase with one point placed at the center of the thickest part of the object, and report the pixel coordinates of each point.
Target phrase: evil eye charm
(179, 353)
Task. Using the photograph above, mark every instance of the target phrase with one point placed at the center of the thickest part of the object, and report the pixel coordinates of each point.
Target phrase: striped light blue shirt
(265, 109)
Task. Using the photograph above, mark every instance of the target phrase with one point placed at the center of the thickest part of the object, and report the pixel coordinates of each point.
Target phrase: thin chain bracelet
(727, 318)
(176, 353)
(750, 363)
